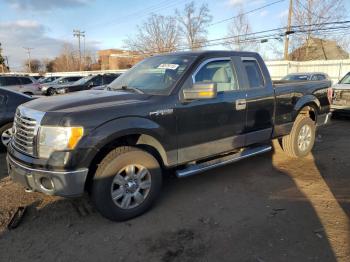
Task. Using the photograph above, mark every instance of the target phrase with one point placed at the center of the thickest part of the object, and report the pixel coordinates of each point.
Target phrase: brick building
(114, 59)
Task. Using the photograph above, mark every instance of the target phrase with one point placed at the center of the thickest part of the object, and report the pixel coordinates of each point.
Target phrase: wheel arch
(141, 139)
(309, 105)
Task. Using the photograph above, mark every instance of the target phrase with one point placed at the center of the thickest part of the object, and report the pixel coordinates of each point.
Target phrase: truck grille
(25, 129)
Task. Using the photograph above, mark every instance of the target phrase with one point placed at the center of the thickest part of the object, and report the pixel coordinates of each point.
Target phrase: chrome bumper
(60, 183)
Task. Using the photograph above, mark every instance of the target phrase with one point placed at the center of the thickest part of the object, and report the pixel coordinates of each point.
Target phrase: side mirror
(200, 90)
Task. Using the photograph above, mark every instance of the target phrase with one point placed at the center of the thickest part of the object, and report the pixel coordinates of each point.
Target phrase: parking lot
(266, 208)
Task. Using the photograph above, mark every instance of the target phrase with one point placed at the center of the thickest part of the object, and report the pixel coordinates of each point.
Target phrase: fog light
(46, 183)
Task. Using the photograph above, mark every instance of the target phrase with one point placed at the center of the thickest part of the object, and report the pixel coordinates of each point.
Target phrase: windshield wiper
(135, 89)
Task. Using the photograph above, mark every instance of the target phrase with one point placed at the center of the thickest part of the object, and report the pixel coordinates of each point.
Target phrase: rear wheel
(6, 134)
(126, 183)
(301, 139)
(50, 92)
(28, 93)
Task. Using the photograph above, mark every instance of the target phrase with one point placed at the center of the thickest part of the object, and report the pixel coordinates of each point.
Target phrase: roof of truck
(212, 53)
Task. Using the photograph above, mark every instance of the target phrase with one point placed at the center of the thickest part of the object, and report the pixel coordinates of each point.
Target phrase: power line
(261, 35)
(246, 13)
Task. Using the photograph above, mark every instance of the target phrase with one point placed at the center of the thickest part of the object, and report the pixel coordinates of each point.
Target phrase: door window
(9, 81)
(254, 74)
(96, 81)
(25, 81)
(218, 72)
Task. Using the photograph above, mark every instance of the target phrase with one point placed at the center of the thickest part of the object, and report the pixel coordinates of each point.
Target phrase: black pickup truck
(188, 112)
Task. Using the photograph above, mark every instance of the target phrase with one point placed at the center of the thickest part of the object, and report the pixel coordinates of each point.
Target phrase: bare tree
(239, 33)
(159, 34)
(35, 65)
(310, 16)
(193, 24)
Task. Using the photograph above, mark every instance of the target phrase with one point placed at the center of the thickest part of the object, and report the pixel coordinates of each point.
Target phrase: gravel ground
(266, 208)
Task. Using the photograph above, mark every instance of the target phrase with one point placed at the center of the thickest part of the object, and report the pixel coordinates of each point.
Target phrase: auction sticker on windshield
(168, 66)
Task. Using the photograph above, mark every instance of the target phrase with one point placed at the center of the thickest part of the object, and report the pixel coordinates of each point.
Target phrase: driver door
(212, 126)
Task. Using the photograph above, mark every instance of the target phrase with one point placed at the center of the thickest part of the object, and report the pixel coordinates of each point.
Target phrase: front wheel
(6, 135)
(301, 139)
(126, 183)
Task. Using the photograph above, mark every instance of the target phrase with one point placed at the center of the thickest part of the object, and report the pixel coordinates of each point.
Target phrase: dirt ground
(266, 208)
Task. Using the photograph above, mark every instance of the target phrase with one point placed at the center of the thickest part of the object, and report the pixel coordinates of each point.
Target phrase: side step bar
(217, 162)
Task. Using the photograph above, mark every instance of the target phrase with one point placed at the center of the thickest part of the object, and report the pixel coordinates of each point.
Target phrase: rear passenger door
(260, 102)
(25, 81)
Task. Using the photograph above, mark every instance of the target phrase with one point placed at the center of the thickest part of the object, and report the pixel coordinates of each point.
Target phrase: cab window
(218, 72)
(254, 74)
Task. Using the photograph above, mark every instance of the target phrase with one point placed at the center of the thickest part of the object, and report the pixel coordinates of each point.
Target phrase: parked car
(190, 111)
(37, 77)
(86, 83)
(23, 84)
(48, 79)
(306, 77)
(105, 86)
(49, 88)
(9, 101)
(341, 96)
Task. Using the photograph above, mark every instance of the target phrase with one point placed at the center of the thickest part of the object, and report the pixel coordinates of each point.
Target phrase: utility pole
(77, 33)
(28, 49)
(2, 61)
(286, 37)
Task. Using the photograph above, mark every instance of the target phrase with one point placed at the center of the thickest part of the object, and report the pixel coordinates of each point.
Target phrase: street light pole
(77, 33)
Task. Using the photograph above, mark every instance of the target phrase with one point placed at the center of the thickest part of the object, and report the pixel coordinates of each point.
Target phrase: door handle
(241, 104)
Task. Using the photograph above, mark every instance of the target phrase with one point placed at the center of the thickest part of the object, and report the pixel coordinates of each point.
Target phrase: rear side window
(73, 78)
(25, 80)
(321, 77)
(9, 81)
(108, 79)
(254, 74)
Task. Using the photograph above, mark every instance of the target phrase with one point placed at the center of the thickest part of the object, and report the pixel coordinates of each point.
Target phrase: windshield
(154, 75)
(346, 79)
(60, 80)
(83, 80)
(296, 77)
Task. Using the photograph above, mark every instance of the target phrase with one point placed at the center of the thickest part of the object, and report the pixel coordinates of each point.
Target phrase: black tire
(28, 93)
(2, 130)
(290, 142)
(50, 92)
(109, 167)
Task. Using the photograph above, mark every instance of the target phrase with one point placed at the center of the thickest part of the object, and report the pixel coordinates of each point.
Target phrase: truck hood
(85, 101)
(342, 86)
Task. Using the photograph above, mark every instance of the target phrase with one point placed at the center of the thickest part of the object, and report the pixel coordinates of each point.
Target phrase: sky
(46, 25)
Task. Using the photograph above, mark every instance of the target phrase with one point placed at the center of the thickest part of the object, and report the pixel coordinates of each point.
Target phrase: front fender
(151, 134)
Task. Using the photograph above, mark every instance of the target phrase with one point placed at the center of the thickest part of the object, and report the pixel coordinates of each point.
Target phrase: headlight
(44, 88)
(53, 139)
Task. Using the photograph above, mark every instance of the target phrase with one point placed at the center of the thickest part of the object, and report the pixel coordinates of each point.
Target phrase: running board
(217, 162)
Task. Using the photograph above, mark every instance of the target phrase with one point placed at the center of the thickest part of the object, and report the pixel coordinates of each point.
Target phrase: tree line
(187, 29)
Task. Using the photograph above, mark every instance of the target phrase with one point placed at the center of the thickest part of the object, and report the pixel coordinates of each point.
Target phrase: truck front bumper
(60, 183)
